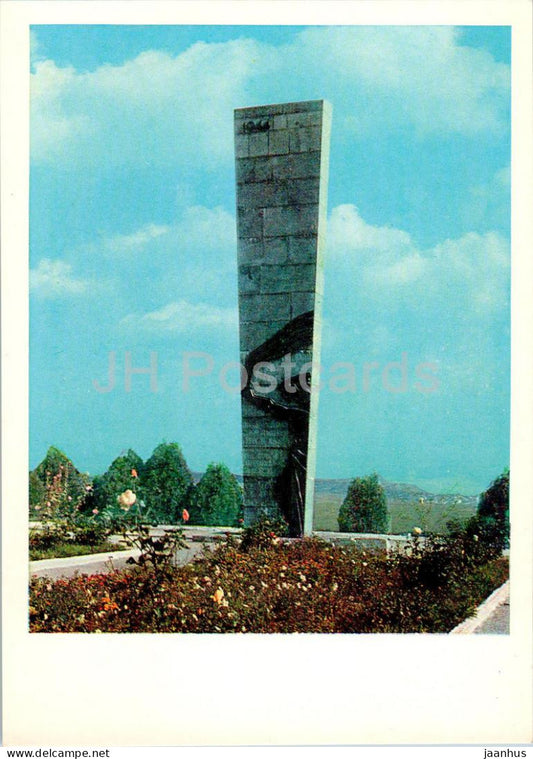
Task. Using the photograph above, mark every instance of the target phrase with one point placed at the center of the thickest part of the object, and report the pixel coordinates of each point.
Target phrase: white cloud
(61, 125)
(502, 178)
(155, 109)
(488, 204)
(208, 229)
(198, 231)
(54, 278)
(447, 304)
(136, 240)
(183, 317)
(195, 254)
(348, 232)
(417, 75)
(383, 264)
(163, 109)
(36, 53)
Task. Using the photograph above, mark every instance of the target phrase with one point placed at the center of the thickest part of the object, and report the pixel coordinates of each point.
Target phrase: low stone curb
(370, 541)
(484, 611)
(102, 563)
(39, 568)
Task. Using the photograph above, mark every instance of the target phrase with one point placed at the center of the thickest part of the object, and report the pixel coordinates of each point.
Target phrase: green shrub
(365, 507)
(37, 491)
(67, 537)
(48, 536)
(167, 483)
(116, 518)
(217, 499)
(65, 550)
(89, 532)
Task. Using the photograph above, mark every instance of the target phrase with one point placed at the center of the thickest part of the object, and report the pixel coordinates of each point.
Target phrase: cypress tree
(365, 507)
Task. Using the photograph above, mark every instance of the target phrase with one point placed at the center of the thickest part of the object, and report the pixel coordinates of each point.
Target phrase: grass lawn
(63, 550)
(404, 515)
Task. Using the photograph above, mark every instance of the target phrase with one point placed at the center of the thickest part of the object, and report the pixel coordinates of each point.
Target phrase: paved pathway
(497, 623)
(491, 618)
(101, 562)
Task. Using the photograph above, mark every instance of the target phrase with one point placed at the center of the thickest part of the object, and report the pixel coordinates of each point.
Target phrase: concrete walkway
(87, 565)
(498, 623)
(99, 562)
(197, 539)
(491, 618)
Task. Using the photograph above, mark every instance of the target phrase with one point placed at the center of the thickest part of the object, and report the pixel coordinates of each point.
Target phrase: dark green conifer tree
(365, 507)
(217, 499)
(167, 483)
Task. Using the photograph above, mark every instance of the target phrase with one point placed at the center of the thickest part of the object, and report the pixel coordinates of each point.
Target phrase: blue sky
(132, 240)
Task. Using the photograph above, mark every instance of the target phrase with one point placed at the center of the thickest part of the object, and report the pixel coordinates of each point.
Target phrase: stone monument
(282, 158)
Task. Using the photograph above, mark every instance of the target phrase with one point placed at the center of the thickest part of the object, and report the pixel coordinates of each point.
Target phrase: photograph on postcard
(269, 296)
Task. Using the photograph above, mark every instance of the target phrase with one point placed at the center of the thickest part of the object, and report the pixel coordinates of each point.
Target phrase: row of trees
(165, 487)
(365, 510)
(163, 484)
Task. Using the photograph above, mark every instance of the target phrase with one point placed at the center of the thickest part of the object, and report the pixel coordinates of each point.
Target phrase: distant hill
(395, 491)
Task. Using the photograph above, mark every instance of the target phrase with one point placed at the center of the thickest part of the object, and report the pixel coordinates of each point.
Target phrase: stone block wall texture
(282, 161)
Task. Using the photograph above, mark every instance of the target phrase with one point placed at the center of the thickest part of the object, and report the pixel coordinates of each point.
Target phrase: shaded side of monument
(282, 161)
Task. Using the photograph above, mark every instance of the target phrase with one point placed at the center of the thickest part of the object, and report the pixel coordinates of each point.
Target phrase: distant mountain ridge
(395, 491)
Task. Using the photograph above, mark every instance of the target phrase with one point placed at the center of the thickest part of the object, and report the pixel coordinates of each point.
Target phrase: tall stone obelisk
(282, 161)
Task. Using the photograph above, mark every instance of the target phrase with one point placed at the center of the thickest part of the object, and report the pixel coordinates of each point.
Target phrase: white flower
(126, 499)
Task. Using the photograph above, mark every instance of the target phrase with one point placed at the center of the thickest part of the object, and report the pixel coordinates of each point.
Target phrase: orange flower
(185, 515)
(218, 595)
(134, 473)
(109, 605)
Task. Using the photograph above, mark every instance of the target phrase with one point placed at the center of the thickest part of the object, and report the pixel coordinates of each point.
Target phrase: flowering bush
(126, 512)
(263, 533)
(56, 488)
(287, 586)
(124, 473)
(48, 536)
(156, 551)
